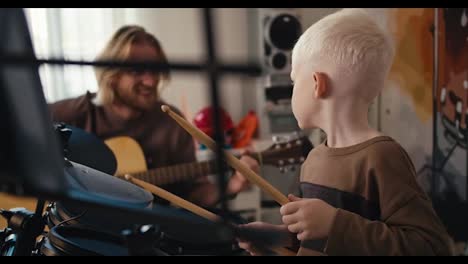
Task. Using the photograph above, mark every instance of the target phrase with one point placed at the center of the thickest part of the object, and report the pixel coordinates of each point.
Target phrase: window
(69, 33)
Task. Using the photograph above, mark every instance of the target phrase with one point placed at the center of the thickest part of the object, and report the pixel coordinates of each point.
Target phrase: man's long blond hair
(118, 49)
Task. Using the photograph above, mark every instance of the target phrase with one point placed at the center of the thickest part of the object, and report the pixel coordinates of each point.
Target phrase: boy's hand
(308, 218)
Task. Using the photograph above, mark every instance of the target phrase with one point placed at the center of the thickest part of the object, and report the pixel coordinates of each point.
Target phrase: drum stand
(19, 238)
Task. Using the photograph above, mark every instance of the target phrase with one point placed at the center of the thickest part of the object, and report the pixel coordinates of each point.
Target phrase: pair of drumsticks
(231, 160)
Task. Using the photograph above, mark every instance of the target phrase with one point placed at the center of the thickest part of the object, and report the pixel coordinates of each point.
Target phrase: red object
(205, 122)
(245, 130)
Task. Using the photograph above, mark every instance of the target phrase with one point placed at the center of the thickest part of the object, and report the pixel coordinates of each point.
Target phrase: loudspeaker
(280, 30)
(273, 32)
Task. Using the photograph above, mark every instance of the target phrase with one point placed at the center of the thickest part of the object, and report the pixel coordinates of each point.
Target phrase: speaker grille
(284, 31)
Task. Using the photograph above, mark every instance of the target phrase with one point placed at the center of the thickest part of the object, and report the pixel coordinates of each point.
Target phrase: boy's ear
(321, 87)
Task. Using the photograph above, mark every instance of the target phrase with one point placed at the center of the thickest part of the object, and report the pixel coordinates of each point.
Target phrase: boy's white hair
(351, 42)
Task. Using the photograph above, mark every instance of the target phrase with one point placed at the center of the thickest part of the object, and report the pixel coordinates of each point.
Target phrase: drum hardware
(24, 226)
(81, 228)
(144, 240)
(64, 134)
(9, 241)
(78, 241)
(19, 238)
(51, 216)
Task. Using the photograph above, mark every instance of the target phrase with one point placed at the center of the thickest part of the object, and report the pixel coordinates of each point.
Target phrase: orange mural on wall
(413, 64)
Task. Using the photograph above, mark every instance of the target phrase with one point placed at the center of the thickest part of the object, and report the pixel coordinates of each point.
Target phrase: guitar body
(128, 154)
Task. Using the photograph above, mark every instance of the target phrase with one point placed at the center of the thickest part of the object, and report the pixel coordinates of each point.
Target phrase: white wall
(312, 15)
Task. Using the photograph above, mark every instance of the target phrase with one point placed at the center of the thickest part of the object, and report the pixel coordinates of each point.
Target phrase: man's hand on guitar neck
(238, 182)
(206, 193)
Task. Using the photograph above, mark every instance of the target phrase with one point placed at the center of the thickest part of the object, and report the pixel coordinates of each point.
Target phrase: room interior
(422, 105)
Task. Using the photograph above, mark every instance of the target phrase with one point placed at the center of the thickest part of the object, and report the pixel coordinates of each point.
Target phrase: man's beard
(133, 100)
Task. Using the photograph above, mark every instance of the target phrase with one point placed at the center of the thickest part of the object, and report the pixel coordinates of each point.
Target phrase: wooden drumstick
(230, 159)
(190, 206)
(174, 199)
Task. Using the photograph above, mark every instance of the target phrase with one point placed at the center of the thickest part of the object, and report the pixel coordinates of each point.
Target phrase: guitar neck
(181, 172)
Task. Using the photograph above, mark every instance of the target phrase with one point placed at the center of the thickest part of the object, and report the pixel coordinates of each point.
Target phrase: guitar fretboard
(288, 153)
(177, 173)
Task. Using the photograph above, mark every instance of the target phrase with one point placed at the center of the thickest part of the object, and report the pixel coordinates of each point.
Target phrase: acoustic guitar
(131, 160)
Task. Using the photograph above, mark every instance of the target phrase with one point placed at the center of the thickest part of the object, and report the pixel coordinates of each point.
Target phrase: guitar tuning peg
(276, 139)
(280, 163)
(301, 159)
(291, 160)
(280, 139)
(296, 135)
(283, 169)
(288, 138)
